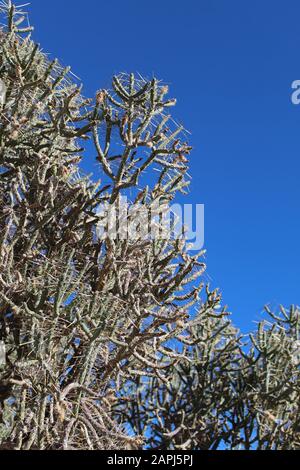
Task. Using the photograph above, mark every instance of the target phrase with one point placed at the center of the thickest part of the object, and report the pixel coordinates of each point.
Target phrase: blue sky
(230, 64)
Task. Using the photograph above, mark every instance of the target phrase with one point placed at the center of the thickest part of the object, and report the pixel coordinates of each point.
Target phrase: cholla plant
(223, 393)
(112, 342)
(76, 311)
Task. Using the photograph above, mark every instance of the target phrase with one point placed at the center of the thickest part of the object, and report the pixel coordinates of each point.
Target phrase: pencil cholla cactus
(2, 93)
(112, 342)
(2, 353)
(78, 315)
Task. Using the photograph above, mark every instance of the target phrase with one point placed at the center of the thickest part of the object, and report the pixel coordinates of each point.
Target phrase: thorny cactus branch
(76, 310)
(100, 346)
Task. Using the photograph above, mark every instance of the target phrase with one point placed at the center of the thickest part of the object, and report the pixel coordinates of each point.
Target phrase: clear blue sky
(230, 63)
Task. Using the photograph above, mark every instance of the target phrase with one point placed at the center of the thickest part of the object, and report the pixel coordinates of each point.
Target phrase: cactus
(100, 344)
